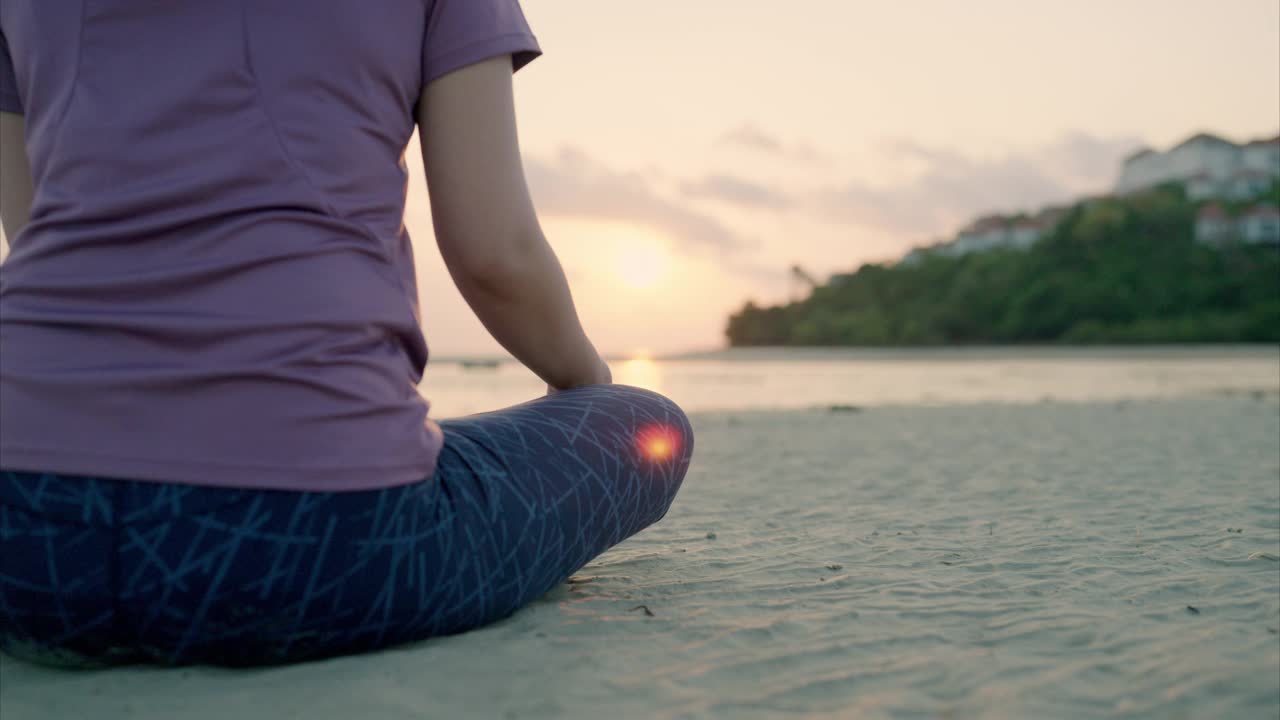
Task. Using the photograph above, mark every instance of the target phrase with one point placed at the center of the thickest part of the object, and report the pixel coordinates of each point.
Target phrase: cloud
(737, 191)
(574, 185)
(749, 137)
(752, 138)
(952, 187)
(1086, 161)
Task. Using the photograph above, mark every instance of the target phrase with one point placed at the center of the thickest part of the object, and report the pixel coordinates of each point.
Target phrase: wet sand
(1116, 559)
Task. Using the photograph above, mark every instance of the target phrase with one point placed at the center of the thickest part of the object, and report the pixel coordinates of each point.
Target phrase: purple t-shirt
(216, 286)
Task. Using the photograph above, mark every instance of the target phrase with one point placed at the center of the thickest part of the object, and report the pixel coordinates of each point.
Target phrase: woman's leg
(521, 499)
(540, 489)
(56, 602)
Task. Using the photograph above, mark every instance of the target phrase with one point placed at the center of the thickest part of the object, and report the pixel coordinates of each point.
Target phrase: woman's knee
(655, 411)
(677, 421)
(664, 440)
(641, 408)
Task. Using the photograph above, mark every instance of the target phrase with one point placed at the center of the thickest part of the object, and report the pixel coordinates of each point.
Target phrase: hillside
(1113, 270)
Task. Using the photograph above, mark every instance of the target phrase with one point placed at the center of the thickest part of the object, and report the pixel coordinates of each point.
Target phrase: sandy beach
(1049, 560)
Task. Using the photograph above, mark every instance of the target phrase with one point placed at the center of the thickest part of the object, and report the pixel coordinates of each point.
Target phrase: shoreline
(788, 379)
(1118, 351)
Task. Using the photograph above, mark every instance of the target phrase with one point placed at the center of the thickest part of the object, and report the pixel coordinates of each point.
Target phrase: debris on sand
(1193, 610)
(645, 608)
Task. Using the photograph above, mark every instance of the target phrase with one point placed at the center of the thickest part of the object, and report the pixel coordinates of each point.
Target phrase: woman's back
(211, 444)
(217, 226)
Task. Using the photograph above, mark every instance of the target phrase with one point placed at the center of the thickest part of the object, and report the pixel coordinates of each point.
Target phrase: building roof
(1051, 214)
(1260, 142)
(1138, 154)
(1245, 173)
(1204, 138)
(1212, 211)
(1263, 210)
(985, 224)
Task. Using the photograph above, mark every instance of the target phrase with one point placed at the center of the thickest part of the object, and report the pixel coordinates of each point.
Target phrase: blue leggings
(96, 570)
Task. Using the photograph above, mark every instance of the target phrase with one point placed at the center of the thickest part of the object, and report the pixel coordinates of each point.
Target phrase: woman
(212, 445)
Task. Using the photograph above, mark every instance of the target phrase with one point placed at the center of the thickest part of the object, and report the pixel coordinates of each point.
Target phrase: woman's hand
(601, 376)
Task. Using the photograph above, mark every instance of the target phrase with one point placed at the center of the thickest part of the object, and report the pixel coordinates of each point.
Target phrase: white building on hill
(982, 234)
(993, 231)
(1262, 155)
(1259, 225)
(1201, 186)
(1246, 183)
(1213, 225)
(1211, 166)
(1242, 184)
(1025, 233)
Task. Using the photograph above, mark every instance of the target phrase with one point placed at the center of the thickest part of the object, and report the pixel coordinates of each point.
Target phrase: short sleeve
(9, 99)
(464, 32)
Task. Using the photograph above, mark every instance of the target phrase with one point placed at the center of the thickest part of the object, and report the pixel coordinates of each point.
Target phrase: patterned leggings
(96, 570)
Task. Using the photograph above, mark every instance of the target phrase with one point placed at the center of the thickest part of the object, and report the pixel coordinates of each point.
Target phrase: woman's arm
(15, 176)
(487, 229)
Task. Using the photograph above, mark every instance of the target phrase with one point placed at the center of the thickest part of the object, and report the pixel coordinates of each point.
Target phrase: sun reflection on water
(640, 371)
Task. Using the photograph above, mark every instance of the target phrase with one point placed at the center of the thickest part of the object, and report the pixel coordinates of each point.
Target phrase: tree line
(1113, 270)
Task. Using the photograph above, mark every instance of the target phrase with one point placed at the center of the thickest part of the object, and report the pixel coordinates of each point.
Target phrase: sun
(641, 262)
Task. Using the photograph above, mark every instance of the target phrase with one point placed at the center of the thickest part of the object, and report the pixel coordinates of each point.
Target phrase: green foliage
(1115, 270)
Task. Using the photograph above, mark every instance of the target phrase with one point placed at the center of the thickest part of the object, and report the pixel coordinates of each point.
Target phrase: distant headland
(1186, 249)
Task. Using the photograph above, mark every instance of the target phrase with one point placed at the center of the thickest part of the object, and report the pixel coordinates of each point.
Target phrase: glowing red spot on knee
(658, 442)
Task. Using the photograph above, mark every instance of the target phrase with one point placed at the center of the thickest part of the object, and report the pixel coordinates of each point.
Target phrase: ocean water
(772, 379)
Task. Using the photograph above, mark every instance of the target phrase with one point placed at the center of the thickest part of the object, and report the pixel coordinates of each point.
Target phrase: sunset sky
(684, 154)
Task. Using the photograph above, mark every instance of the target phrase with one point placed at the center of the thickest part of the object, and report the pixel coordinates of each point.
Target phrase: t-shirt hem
(522, 46)
(241, 476)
